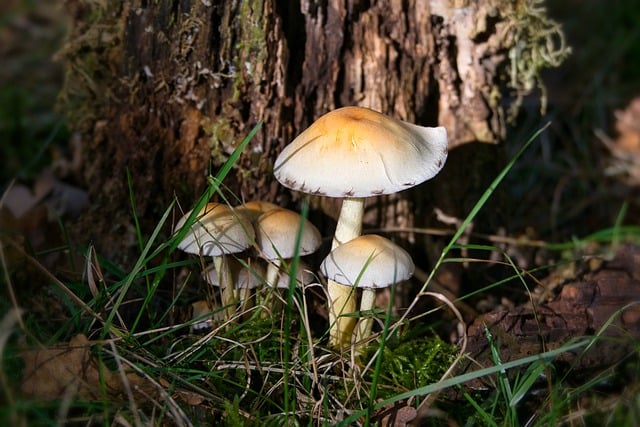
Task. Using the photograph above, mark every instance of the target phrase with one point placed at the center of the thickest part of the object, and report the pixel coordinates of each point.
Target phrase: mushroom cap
(358, 152)
(217, 230)
(304, 276)
(255, 208)
(246, 277)
(276, 232)
(368, 261)
(250, 277)
(210, 275)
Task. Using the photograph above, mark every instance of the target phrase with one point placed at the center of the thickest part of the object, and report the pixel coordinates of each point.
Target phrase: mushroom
(253, 209)
(277, 239)
(202, 315)
(304, 276)
(369, 262)
(354, 153)
(247, 278)
(218, 231)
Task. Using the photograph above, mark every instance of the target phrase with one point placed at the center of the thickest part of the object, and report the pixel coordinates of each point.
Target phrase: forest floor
(555, 328)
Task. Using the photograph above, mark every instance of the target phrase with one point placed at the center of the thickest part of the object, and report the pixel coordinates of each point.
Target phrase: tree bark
(167, 89)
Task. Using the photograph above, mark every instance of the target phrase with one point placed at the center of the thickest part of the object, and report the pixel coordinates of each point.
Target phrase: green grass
(277, 371)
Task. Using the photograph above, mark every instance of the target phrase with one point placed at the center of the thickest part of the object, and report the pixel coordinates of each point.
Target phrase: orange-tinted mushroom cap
(358, 152)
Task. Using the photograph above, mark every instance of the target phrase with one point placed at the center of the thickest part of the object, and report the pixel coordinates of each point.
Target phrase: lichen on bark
(491, 58)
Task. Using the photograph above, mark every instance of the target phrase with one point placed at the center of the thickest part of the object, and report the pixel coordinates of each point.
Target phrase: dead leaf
(52, 372)
(189, 397)
(628, 127)
(30, 215)
(62, 199)
(72, 370)
(398, 416)
(625, 149)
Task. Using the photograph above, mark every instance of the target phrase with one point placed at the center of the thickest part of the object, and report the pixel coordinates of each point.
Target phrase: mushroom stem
(272, 273)
(349, 224)
(244, 296)
(227, 294)
(367, 303)
(342, 298)
(272, 279)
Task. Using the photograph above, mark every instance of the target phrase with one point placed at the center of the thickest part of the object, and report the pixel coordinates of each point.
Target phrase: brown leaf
(71, 369)
(626, 147)
(628, 127)
(398, 416)
(604, 302)
(52, 372)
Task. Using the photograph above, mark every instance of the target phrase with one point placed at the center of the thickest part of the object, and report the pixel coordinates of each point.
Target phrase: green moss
(88, 54)
(221, 139)
(415, 364)
(251, 46)
(538, 43)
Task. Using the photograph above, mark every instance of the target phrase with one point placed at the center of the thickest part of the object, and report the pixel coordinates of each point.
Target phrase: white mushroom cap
(218, 230)
(276, 233)
(304, 276)
(210, 275)
(250, 277)
(358, 152)
(368, 261)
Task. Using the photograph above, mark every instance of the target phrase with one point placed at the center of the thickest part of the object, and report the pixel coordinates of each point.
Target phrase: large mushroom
(368, 262)
(218, 231)
(354, 153)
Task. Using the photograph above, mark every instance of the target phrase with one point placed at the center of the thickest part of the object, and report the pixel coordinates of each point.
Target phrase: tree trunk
(167, 89)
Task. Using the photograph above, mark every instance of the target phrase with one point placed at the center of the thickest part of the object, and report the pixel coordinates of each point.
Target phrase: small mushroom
(304, 276)
(277, 238)
(202, 315)
(249, 278)
(246, 278)
(369, 262)
(353, 153)
(253, 209)
(218, 231)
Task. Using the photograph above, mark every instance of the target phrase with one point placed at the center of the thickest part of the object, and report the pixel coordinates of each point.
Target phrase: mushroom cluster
(351, 153)
(267, 230)
(218, 232)
(354, 153)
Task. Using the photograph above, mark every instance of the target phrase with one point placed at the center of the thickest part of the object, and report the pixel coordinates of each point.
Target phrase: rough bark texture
(167, 89)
